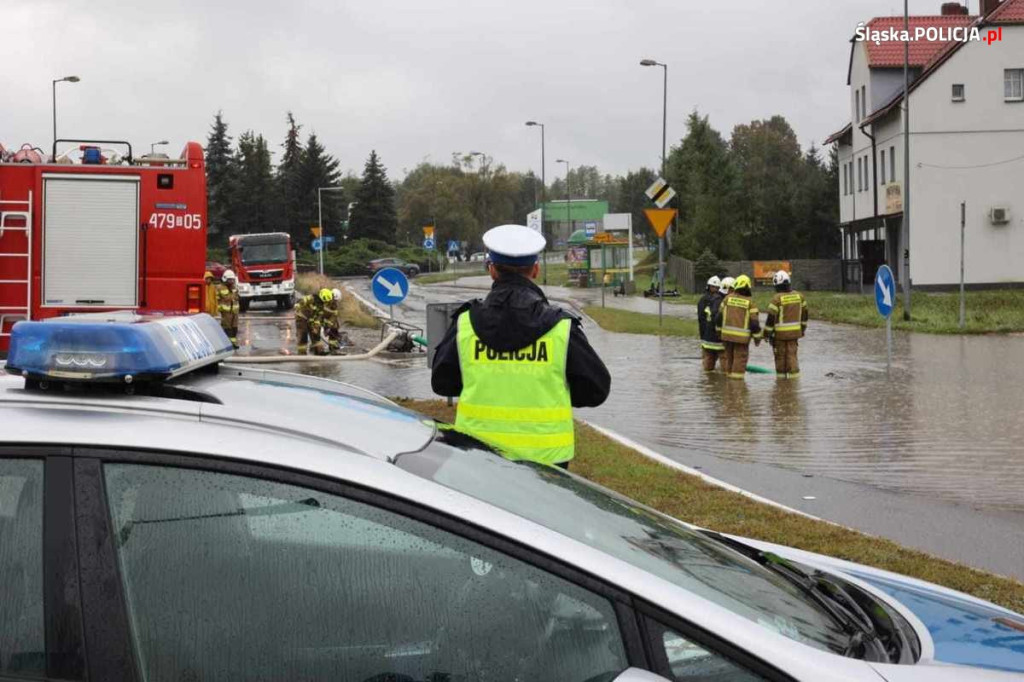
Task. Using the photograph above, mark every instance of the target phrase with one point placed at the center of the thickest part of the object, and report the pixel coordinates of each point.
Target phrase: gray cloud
(421, 79)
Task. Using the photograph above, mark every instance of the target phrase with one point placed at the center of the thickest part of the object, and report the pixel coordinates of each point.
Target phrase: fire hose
(268, 359)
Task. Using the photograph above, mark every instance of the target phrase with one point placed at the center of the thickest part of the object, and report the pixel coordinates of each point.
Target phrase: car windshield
(628, 531)
(265, 253)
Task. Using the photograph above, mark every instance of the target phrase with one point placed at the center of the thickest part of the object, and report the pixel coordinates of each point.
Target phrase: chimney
(952, 9)
(989, 6)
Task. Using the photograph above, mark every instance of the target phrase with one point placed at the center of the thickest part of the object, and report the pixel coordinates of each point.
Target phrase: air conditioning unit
(999, 215)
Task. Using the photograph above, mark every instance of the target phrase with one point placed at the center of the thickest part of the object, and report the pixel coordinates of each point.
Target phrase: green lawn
(615, 320)
(689, 498)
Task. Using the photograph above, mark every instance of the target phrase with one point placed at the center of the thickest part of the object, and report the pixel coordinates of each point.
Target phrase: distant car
(216, 268)
(410, 269)
(478, 257)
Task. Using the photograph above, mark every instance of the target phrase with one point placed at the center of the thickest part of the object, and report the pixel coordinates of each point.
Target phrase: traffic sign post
(885, 289)
(660, 219)
(390, 286)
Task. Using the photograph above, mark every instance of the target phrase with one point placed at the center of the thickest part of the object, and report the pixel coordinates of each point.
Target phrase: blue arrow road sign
(885, 291)
(316, 245)
(428, 243)
(390, 286)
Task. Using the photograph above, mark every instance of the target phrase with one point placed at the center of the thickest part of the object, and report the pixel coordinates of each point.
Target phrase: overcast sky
(420, 79)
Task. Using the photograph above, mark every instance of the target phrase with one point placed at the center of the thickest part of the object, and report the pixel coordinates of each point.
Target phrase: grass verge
(353, 313)
(988, 312)
(615, 320)
(608, 463)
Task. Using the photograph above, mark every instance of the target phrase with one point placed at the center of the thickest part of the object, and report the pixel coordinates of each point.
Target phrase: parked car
(478, 257)
(410, 269)
(217, 269)
(237, 523)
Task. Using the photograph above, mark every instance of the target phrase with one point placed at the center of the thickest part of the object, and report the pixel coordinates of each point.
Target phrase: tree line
(757, 195)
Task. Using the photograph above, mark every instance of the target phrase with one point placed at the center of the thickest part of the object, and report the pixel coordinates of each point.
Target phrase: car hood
(958, 629)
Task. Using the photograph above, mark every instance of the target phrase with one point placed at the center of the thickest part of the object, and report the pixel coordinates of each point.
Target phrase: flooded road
(945, 425)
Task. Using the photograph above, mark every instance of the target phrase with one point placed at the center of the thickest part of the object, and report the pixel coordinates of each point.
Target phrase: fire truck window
(165, 181)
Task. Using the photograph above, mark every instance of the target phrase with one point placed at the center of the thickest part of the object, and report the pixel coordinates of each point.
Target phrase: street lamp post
(152, 146)
(543, 194)
(68, 79)
(664, 163)
(320, 220)
(568, 196)
(905, 227)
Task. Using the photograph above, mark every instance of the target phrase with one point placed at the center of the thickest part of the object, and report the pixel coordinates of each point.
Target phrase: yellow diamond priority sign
(660, 219)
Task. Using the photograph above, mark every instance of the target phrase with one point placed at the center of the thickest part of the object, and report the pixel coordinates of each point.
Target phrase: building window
(883, 166)
(892, 163)
(846, 181)
(856, 106)
(1013, 85)
(958, 92)
(858, 175)
(863, 101)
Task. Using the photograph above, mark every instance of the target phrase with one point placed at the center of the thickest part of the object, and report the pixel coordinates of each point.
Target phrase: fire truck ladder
(15, 220)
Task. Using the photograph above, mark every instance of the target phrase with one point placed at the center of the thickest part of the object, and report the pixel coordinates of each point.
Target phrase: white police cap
(513, 244)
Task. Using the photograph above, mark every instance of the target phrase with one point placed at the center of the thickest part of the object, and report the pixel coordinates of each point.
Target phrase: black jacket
(707, 311)
(514, 315)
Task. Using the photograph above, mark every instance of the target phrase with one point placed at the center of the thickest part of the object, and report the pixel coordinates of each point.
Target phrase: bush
(350, 259)
(705, 267)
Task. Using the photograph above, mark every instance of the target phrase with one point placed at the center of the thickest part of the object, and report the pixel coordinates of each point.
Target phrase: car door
(41, 633)
(248, 573)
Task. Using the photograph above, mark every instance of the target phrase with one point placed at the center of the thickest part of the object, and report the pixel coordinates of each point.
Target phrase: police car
(166, 516)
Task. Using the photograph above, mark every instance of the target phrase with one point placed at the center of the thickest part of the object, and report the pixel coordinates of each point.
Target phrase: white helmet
(727, 284)
(337, 294)
(713, 281)
(228, 274)
(781, 277)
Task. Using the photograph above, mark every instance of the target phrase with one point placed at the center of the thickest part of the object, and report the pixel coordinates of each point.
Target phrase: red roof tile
(1010, 12)
(890, 54)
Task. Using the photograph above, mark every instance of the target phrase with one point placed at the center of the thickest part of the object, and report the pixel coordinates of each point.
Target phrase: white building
(966, 145)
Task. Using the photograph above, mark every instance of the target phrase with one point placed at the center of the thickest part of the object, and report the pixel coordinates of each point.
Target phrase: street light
(664, 107)
(154, 144)
(68, 79)
(543, 192)
(320, 220)
(568, 196)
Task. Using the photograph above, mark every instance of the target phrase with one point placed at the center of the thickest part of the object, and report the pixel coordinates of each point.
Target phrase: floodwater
(945, 423)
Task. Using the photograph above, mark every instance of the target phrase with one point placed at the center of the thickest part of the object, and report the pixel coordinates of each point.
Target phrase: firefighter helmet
(336, 293)
(727, 284)
(743, 282)
(714, 282)
(228, 275)
(326, 295)
(781, 277)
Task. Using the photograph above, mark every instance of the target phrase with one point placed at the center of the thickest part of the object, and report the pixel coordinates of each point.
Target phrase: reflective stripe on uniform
(711, 345)
(523, 414)
(736, 319)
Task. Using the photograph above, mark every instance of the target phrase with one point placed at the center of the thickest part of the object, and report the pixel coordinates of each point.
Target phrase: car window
(230, 577)
(22, 634)
(628, 531)
(684, 661)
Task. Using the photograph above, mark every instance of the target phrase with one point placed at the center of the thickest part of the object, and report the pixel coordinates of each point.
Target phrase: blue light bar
(121, 346)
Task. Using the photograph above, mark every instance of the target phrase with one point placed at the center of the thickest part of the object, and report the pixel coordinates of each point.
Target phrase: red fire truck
(98, 230)
(265, 266)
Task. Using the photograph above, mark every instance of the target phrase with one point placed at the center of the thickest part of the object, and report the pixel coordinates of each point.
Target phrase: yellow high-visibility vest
(517, 401)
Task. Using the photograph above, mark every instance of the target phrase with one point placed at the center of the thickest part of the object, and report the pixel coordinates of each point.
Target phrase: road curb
(667, 461)
(380, 312)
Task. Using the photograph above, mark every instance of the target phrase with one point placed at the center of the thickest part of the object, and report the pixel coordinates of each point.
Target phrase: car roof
(250, 402)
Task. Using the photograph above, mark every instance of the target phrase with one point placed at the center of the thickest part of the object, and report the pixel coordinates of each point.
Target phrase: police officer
(309, 312)
(786, 325)
(707, 308)
(737, 322)
(518, 364)
(227, 306)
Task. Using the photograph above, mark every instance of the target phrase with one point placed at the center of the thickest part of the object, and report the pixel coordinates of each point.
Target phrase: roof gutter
(874, 166)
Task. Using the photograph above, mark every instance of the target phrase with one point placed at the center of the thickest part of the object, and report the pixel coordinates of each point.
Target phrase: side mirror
(638, 675)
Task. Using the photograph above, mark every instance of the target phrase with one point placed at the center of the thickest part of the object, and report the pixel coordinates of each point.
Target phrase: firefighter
(727, 285)
(518, 364)
(737, 322)
(332, 331)
(227, 305)
(786, 325)
(710, 340)
(309, 313)
(210, 295)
